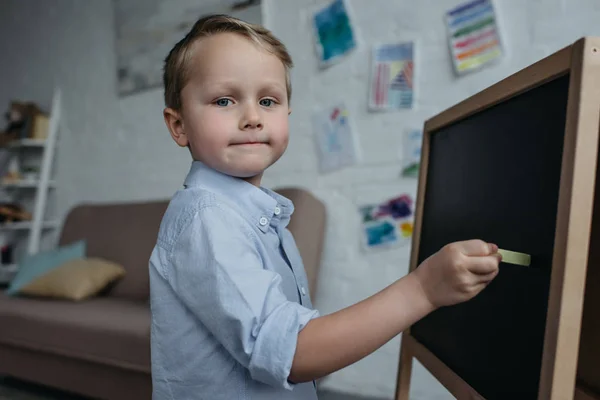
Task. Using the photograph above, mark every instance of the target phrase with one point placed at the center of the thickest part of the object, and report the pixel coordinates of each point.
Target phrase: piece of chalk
(512, 257)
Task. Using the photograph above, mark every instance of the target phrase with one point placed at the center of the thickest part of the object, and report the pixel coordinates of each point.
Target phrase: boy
(231, 315)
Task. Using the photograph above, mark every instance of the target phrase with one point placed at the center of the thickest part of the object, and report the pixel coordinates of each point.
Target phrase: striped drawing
(392, 77)
(473, 35)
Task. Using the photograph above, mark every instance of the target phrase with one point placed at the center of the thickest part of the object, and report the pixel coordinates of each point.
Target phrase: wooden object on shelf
(521, 157)
(40, 127)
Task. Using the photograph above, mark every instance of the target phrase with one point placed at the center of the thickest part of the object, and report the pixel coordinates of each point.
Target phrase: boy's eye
(222, 102)
(267, 102)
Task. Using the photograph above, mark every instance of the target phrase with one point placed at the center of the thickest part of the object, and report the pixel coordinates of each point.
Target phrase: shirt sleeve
(218, 273)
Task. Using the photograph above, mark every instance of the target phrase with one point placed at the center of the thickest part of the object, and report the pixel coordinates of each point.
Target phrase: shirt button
(303, 291)
(263, 221)
(277, 210)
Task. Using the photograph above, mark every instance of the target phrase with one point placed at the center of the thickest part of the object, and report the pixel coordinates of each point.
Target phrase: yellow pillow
(75, 280)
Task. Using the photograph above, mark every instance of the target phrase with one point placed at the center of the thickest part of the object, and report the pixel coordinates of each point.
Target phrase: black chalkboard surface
(495, 176)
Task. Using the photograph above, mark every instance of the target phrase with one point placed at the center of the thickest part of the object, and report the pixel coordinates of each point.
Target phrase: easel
(573, 222)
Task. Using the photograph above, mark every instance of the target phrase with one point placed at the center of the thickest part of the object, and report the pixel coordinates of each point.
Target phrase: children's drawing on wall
(337, 145)
(411, 153)
(333, 32)
(473, 35)
(392, 77)
(147, 30)
(389, 224)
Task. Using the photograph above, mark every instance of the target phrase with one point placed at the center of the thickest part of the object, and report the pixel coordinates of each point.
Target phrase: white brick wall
(119, 149)
(531, 30)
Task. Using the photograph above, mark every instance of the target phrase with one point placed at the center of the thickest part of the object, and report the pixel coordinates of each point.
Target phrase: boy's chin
(246, 172)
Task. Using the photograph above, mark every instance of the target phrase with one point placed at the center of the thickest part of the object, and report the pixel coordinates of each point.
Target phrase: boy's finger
(487, 278)
(484, 265)
(480, 286)
(478, 247)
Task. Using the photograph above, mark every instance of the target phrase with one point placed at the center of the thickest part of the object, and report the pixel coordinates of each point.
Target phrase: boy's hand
(455, 273)
(458, 272)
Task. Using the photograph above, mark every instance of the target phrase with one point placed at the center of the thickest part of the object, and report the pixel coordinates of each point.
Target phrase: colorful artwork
(336, 141)
(411, 150)
(145, 32)
(473, 35)
(333, 33)
(392, 77)
(389, 224)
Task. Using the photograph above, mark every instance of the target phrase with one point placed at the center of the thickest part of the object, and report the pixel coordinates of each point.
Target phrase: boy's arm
(456, 273)
(335, 341)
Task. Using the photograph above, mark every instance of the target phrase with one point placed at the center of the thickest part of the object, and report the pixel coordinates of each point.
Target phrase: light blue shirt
(228, 292)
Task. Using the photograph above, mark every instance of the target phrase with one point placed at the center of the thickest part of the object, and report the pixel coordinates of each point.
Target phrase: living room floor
(15, 390)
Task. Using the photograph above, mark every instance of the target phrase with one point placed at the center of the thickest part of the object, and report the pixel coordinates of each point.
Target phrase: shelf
(28, 143)
(7, 273)
(26, 184)
(26, 225)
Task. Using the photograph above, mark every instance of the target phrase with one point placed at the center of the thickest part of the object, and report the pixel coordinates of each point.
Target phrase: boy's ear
(174, 123)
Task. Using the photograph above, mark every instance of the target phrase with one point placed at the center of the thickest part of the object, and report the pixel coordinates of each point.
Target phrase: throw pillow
(36, 265)
(76, 279)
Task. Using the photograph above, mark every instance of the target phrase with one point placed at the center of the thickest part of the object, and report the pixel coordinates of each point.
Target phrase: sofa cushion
(105, 330)
(36, 265)
(124, 233)
(76, 280)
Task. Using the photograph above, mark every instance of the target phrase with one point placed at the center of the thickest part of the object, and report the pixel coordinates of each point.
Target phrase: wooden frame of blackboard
(581, 61)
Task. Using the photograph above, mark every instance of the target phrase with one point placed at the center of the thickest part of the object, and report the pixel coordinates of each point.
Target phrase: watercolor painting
(473, 36)
(411, 153)
(389, 224)
(337, 144)
(333, 33)
(146, 30)
(391, 84)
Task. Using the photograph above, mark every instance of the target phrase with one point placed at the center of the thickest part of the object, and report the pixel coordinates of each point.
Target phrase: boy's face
(235, 111)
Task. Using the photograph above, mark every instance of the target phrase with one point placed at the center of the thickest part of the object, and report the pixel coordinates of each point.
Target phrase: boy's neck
(254, 180)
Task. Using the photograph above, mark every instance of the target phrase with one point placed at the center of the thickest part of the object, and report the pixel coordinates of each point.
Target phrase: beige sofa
(101, 347)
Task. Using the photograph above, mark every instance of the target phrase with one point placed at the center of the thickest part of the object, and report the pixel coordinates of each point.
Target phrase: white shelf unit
(28, 143)
(7, 272)
(25, 184)
(42, 185)
(26, 225)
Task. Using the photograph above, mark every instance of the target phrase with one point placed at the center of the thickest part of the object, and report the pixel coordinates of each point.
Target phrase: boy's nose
(251, 119)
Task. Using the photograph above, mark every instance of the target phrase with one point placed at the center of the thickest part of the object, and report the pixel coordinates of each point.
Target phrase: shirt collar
(262, 205)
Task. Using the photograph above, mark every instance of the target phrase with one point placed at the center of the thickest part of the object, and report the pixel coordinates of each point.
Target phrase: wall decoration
(146, 30)
(389, 224)
(411, 152)
(473, 35)
(392, 77)
(337, 144)
(333, 33)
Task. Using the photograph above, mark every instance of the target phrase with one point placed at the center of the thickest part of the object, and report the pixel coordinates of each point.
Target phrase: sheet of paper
(337, 143)
(392, 82)
(389, 224)
(411, 153)
(473, 35)
(334, 35)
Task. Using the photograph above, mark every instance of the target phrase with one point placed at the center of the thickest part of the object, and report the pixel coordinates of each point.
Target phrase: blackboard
(495, 176)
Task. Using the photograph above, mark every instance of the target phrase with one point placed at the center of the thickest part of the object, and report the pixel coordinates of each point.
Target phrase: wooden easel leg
(404, 371)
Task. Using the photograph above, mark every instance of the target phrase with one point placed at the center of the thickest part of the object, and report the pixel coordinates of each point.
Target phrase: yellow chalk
(512, 257)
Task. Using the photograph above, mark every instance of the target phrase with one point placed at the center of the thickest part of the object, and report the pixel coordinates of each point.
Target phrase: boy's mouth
(250, 142)
(256, 144)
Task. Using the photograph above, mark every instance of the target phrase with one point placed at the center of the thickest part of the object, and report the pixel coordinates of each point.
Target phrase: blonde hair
(176, 68)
